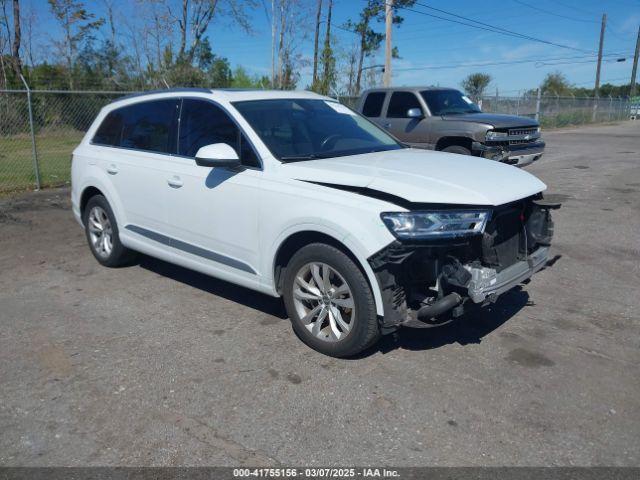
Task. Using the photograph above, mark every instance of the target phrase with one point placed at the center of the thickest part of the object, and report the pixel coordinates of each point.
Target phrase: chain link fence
(40, 129)
(556, 112)
(36, 145)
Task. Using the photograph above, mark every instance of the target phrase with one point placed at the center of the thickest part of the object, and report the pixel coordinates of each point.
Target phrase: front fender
(360, 250)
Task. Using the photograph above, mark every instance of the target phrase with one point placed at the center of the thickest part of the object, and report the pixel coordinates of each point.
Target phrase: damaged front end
(429, 282)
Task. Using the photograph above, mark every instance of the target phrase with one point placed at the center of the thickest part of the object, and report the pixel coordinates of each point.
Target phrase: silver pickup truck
(445, 119)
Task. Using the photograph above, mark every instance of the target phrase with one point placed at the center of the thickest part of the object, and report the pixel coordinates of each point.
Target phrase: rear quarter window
(148, 126)
(110, 131)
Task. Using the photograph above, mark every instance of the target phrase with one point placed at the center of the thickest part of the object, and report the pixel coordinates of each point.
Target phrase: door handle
(387, 125)
(174, 182)
(112, 169)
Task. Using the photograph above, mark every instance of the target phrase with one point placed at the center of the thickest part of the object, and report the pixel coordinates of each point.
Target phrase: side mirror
(415, 113)
(217, 155)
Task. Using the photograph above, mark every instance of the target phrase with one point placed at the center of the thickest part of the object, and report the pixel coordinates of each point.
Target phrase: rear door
(133, 145)
(213, 212)
(413, 131)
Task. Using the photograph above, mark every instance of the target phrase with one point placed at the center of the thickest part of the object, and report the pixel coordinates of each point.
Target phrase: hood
(423, 176)
(495, 119)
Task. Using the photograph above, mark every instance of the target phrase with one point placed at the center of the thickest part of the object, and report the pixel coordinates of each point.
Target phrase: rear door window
(373, 104)
(150, 126)
(400, 103)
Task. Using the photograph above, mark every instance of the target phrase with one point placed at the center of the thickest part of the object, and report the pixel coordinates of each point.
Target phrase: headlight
(436, 224)
(494, 136)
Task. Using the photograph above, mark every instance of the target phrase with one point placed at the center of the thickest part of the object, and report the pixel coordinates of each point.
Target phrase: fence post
(538, 106)
(610, 106)
(34, 151)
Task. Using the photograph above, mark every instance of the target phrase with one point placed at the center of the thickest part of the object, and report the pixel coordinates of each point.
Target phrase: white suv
(295, 195)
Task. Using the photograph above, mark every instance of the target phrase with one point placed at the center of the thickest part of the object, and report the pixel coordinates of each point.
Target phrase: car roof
(408, 89)
(222, 94)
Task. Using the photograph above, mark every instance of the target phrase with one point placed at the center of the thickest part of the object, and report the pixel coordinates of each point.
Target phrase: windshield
(303, 129)
(448, 102)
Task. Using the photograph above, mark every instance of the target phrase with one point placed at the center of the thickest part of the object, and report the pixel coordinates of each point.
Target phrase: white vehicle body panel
(231, 225)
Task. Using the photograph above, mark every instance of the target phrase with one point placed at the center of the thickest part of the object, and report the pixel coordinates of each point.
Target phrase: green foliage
(241, 79)
(556, 84)
(475, 84)
(565, 119)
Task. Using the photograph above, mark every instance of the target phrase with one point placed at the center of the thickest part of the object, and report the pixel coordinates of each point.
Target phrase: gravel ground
(156, 365)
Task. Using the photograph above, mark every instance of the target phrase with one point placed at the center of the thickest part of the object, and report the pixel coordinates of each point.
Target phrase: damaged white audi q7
(295, 195)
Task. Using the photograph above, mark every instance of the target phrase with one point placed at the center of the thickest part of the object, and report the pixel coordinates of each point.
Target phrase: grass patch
(54, 159)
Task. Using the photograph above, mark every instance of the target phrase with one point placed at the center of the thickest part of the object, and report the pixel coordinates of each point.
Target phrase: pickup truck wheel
(102, 234)
(457, 149)
(329, 301)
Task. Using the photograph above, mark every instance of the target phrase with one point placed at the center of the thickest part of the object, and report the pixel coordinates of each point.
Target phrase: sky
(434, 51)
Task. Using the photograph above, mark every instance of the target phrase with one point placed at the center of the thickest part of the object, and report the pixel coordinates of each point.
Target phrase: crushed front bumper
(518, 155)
(486, 284)
(428, 284)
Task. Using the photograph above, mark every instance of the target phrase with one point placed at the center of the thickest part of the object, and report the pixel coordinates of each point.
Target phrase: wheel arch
(86, 195)
(448, 141)
(297, 240)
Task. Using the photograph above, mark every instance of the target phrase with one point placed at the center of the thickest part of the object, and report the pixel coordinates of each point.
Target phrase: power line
(533, 7)
(487, 27)
(541, 60)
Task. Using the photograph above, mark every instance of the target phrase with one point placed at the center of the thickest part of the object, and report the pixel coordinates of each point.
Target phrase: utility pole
(388, 17)
(632, 92)
(602, 29)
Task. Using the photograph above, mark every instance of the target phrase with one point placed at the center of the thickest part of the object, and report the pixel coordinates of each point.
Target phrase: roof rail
(165, 90)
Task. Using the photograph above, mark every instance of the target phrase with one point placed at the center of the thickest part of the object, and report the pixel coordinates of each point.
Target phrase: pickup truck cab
(445, 119)
(294, 195)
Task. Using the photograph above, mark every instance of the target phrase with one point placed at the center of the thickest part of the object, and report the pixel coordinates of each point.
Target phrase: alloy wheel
(100, 232)
(323, 301)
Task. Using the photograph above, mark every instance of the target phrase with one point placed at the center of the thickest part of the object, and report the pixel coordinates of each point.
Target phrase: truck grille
(520, 132)
(523, 131)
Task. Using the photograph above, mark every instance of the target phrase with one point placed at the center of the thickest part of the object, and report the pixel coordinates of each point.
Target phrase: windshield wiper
(301, 158)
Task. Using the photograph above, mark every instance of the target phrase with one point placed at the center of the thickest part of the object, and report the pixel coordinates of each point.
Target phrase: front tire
(102, 234)
(329, 301)
(457, 149)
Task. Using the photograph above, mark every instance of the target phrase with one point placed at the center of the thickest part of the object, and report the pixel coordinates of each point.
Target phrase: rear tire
(457, 149)
(102, 234)
(329, 301)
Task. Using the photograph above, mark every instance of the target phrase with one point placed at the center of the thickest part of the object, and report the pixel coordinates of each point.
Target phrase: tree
(15, 51)
(555, 84)
(196, 16)
(314, 78)
(328, 59)
(290, 21)
(475, 84)
(219, 73)
(78, 26)
(370, 40)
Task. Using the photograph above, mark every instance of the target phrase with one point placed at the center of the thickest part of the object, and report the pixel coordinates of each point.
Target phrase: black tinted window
(373, 104)
(401, 102)
(305, 129)
(110, 130)
(448, 102)
(203, 123)
(149, 126)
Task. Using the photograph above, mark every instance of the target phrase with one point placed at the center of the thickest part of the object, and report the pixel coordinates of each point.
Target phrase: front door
(413, 131)
(213, 212)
